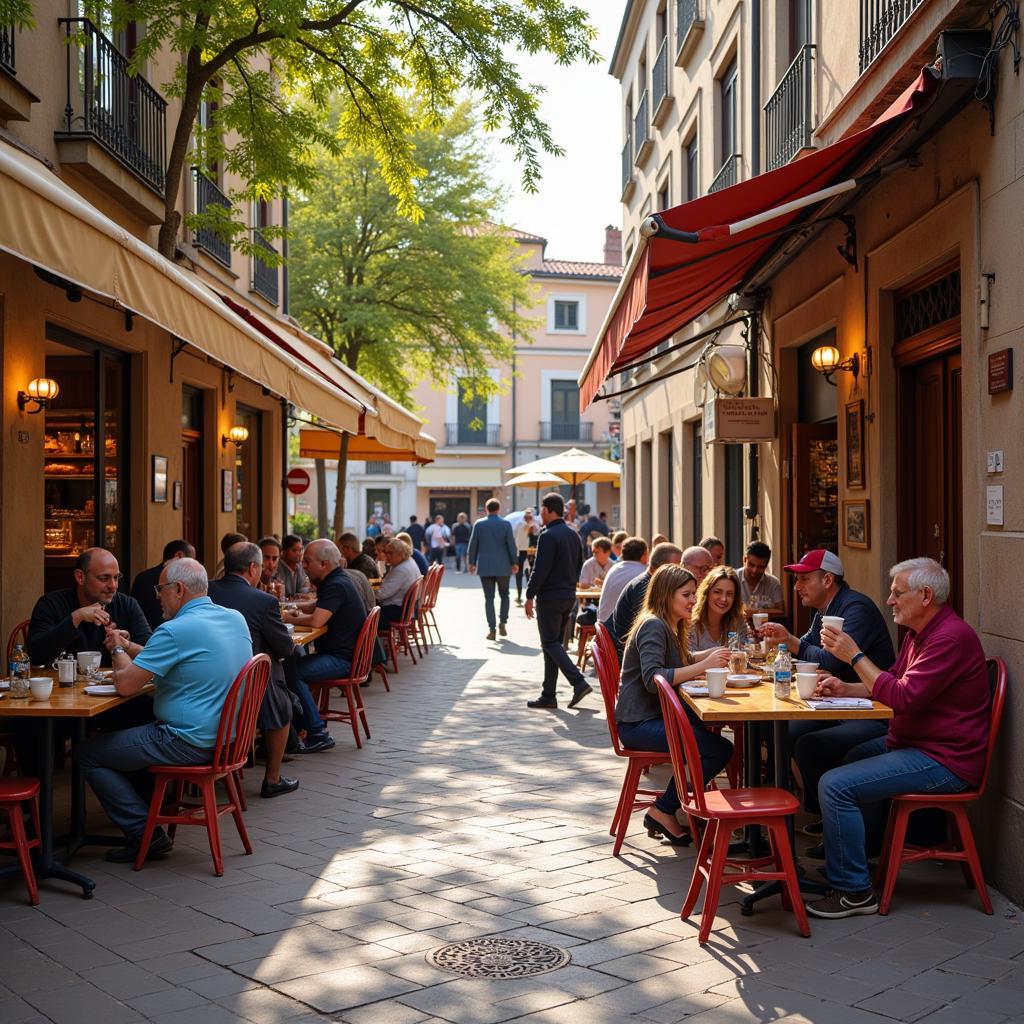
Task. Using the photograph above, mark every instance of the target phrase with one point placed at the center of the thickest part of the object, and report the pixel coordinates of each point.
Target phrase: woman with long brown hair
(657, 645)
(718, 610)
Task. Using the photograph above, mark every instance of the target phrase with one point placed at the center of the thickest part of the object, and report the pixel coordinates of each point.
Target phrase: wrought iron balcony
(627, 165)
(688, 19)
(788, 116)
(463, 433)
(728, 175)
(117, 108)
(264, 274)
(880, 20)
(659, 80)
(207, 194)
(642, 141)
(7, 48)
(575, 431)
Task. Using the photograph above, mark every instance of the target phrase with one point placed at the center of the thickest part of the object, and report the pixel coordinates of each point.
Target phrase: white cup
(759, 619)
(805, 683)
(806, 666)
(716, 678)
(833, 622)
(87, 660)
(41, 687)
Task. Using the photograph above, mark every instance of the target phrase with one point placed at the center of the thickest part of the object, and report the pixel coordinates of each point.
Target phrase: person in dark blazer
(243, 566)
(144, 584)
(553, 587)
(492, 555)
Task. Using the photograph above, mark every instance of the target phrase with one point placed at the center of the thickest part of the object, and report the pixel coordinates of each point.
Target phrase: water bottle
(783, 673)
(19, 669)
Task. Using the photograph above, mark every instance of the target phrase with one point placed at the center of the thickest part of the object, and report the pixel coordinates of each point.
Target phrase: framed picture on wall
(160, 478)
(855, 468)
(856, 523)
(176, 492)
(227, 490)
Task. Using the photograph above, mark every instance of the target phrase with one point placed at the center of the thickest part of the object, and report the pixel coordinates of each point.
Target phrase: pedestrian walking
(492, 556)
(553, 587)
(460, 538)
(526, 538)
(438, 537)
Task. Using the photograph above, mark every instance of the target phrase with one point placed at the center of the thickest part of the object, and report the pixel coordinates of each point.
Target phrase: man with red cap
(820, 746)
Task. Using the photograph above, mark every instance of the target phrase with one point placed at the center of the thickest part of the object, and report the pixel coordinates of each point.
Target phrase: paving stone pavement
(468, 815)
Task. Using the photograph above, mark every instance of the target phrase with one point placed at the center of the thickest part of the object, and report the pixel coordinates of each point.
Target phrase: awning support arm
(177, 347)
(684, 344)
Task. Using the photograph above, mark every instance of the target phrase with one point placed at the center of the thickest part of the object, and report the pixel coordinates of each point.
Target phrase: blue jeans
(820, 746)
(460, 555)
(489, 583)
(315, 669)
(715, 751)
(854, 801)
(107, 761)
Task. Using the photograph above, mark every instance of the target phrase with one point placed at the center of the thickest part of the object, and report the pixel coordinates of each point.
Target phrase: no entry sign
(298, 481)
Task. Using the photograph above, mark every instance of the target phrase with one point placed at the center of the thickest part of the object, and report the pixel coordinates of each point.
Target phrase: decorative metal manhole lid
(498, 958)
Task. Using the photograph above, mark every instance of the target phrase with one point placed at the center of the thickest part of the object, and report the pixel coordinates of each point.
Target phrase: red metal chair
(899, 852)
(234, 741)
(13, 794)
(401, 634)
(19, 635)
(638, 761)
(429, 601)
(721, 811)
(362, 658)
(418, 624)
(586, 634)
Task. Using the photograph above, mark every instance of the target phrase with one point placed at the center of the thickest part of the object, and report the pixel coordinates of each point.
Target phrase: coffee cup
(805, 666)
(88, 661)
(716, 678)
(833, 622)
(66, 668)
(41, 687)
(759, 619)
(806, 683)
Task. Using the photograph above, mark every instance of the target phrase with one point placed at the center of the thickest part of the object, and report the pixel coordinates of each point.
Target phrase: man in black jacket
(553, 586)
(144, 586)
(243, 567)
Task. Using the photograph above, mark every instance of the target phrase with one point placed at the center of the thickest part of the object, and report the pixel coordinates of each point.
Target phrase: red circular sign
(298, 481)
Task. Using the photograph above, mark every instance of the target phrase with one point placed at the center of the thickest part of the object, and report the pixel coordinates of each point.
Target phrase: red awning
(670, 283)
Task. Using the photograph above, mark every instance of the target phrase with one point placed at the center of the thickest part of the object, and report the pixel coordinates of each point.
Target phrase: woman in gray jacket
(657, 645)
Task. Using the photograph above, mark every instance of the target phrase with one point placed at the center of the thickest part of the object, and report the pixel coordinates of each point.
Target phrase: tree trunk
(321, 497)
(339, 500)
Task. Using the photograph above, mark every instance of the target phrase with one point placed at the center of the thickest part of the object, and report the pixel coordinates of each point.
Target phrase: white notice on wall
(994, 504)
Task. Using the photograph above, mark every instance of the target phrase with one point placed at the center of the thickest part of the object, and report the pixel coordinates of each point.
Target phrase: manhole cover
(498, 958)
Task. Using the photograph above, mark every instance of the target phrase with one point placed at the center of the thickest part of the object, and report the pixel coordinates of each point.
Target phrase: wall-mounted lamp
(42, 391)
(825, 359)
(235, 436)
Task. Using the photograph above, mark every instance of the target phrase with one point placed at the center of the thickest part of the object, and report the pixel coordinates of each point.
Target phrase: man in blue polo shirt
(193, 658)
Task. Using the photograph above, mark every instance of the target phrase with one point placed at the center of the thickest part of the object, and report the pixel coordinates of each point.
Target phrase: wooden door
(191, 487)
(931, 465)
(814, 497)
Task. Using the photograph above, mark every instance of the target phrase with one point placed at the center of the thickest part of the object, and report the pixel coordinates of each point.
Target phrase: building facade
(909, 447)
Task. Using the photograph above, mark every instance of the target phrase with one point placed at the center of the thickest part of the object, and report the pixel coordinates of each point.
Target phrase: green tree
(401, 299)
(273, 68)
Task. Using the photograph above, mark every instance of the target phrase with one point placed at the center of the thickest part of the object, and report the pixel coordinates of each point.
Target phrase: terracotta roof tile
(574, 268)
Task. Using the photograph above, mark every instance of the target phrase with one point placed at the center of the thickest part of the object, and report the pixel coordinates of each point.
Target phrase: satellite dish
(727, 368)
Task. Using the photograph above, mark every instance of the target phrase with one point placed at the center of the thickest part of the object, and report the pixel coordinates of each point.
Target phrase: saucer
(744, 681)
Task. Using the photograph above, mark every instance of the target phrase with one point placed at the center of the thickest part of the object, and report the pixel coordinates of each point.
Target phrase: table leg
(751, 771)
(77, 836)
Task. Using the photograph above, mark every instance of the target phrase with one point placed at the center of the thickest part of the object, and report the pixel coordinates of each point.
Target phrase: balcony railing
(687, 12)
(627, 163)
(7, 48)
(641, 130)
(659, 77)
(463, 433)
(122, 111)
(577, 431)
(378, 468)
(264, 274)
(788, 118)
(207, 195)
(880, 20)
(728, 175)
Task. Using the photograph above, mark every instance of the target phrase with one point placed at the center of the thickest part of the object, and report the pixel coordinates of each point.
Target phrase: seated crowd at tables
(191, 636)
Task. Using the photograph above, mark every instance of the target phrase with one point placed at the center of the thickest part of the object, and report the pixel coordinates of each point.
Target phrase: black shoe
(502, 630)
(159, 846)
(584, 691)
(815, 852)
(279, 788)
(542, 702)
(491, 635)
(366, 682)
(316, 744)
(656, 829)
(815, 829)
(835, 904)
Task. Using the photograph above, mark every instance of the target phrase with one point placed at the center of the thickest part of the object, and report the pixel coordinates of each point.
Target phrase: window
(733, 502)
(378, 501)
(697, 477)
(692, 170)
(667, 502)
(799, 26)
(472, 426)
(565, 410)
(729, 84)
(664, 200)
(248, 460)
(379, 468)
(567, 315)
(644, 495)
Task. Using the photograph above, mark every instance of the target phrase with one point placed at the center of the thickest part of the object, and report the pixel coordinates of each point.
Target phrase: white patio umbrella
(575, 465)
(537, 481)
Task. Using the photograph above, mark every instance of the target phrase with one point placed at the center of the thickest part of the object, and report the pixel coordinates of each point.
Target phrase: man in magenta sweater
(939, 693)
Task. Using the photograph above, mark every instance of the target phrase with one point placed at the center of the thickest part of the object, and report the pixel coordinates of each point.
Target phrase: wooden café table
(759, 704)
(64, 702)
(306, 635)
(584, 594)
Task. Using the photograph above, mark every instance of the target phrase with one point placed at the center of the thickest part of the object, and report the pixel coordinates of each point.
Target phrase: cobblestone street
(467, 815)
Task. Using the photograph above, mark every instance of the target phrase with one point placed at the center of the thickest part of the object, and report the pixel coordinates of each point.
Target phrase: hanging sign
(739, 420)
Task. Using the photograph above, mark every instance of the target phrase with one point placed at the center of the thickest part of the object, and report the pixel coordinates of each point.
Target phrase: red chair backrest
(609, 680)
(606, 642)
(19, 635)
(238, 719)
(682, 746)
(363, 655)
(431, 585)
(997, 684)
(409, 602)
(436, 585)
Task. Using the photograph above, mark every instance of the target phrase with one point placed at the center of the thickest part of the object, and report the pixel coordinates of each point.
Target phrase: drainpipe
(754, 321)
(285, 412)
(515, 458)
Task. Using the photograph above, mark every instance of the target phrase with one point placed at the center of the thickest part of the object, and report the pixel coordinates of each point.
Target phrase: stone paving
(467, 815)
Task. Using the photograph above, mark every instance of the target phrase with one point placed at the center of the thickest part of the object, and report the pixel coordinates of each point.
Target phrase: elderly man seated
(937, 740)
(402, 574)
(193, 657)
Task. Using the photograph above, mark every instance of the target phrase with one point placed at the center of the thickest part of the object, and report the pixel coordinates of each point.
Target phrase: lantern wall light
(235, 436)
(825, 359)
(41, 391)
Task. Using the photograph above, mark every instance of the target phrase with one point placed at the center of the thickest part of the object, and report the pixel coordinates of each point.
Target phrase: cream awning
(459, 476)
(47, 223)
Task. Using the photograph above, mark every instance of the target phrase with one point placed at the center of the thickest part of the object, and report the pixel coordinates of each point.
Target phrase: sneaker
(519, 600)
(159, 845)
(815, 852)
(491, 635)
(541, 702)
(837, 904)
(502, 630)
(316, 744)
(578, 695)
(815, 829)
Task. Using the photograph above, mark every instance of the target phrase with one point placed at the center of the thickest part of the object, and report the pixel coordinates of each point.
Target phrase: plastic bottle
(783, 672)
(19, 668)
